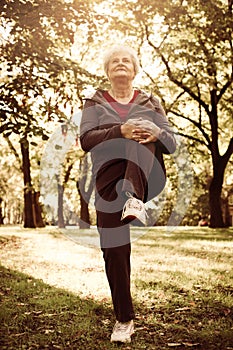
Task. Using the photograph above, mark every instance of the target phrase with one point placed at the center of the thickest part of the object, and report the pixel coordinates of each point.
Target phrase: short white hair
(119, 48)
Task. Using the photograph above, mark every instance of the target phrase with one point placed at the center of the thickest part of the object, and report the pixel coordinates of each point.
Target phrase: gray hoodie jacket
(100, 133)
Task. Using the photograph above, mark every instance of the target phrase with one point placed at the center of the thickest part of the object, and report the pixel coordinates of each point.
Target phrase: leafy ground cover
(182, 285)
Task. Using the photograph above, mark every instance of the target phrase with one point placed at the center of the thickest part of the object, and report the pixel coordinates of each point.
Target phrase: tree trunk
(1, 213)
(84, 194)
(28, 189)
(38, 211)
(215, 190)
(84, 221)
(227, 213)
(61, 221)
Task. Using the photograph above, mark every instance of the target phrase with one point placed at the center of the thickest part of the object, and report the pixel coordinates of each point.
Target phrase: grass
(182, 285)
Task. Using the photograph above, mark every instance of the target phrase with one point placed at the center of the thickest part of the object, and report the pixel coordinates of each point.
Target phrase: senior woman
(126, 132)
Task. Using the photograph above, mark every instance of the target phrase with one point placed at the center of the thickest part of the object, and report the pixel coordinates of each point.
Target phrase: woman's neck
(122, 94)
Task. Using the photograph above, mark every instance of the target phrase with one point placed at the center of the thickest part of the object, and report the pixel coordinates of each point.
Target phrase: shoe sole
(130, 218)
(121, 341)
(118, 340)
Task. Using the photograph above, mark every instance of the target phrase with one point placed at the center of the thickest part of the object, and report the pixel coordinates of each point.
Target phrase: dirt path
(55, 259)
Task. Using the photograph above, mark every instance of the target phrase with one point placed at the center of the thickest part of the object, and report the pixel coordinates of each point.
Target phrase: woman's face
(121, 66)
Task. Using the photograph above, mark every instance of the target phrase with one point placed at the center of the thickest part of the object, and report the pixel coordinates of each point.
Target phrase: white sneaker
(134, 208)
(122, 332)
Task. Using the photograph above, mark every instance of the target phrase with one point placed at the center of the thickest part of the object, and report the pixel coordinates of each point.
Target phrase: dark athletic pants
(114, 178)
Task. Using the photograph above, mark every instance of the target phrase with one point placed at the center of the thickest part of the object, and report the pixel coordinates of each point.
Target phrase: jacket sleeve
(166, 140)
(91, 134)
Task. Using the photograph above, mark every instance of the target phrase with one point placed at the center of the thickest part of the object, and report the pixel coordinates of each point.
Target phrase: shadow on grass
(34, 315)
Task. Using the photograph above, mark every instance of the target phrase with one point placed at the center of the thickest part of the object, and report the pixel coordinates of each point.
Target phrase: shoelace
(134, 203)
(121, 327)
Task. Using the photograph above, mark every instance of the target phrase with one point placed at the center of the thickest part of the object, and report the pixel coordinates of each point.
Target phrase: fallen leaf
(47, 331)
(37, 312)
(227, 312)
(192, 303)
(191, 344)
(183, 308)
(106, 322)
(19, 334)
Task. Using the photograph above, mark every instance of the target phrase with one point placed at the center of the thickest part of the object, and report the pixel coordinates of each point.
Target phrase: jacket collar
(97, 97)
(141, 99)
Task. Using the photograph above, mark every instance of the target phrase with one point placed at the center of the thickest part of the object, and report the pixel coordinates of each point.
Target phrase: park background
(53, 291)
(51, 59)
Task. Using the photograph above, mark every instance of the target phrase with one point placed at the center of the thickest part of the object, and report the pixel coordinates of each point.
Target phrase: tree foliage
(36, 61)
(50, 53)
(40, 80)
(191, 65)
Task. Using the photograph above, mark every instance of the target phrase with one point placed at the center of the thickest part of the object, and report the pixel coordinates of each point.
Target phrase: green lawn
(182, 285)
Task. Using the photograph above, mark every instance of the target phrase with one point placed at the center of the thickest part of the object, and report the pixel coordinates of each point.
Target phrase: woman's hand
(127, 130)
(143, 136)
(145, 131)
(131, 131)
(142, 131)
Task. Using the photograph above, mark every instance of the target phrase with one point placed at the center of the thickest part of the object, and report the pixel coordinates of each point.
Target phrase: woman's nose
(121, 63)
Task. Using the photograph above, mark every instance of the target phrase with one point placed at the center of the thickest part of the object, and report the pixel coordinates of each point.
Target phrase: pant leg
(115, 244)
(140, 160)
(117, 266)
(114, 234)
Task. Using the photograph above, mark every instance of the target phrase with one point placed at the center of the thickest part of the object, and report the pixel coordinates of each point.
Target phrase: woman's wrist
(162, 134)
(122, 129)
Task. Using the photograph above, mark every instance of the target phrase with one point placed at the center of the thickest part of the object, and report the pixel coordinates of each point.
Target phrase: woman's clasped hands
(140, 130)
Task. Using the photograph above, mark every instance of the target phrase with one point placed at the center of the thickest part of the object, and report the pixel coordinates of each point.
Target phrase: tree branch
(193, 138)
(176, 99)
(67, 173)
(198, 125)
(227, 155)
(225, 87)
(173, 78)
(12, 148)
